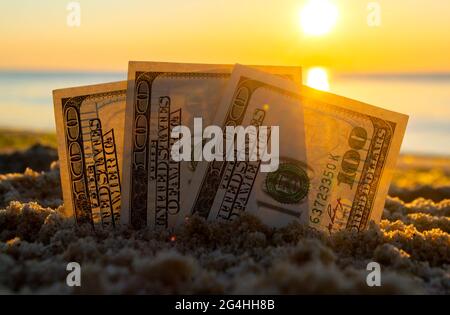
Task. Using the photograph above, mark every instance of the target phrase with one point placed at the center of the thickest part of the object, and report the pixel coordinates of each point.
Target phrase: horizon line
(334, 73)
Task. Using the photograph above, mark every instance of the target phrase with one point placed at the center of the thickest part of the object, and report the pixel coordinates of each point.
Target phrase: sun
(318, 17)
(317, 78)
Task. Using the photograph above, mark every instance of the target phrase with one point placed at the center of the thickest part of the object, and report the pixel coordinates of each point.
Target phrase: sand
(412, 244)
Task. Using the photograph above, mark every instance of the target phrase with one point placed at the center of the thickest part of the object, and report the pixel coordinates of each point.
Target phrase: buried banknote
(89, 126)
(336, 157)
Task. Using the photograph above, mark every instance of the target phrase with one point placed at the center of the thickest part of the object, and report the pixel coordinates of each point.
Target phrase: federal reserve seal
(288, 184)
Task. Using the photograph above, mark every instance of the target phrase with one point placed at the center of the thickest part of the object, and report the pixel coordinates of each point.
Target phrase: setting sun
(317, 78)
(318, 17)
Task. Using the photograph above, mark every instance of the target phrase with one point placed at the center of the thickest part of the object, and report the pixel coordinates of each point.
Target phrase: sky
(413, 36)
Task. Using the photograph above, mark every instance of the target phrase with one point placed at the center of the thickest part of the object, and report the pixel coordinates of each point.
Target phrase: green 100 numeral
(352, 158)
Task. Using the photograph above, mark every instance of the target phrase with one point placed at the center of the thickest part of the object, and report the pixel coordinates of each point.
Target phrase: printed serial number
(322, 196)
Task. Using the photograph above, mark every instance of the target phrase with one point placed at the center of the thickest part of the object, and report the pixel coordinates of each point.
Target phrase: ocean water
(26, 101)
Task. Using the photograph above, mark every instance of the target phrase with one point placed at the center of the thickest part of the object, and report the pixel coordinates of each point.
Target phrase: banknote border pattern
(358, 219)
(74, 139)
(213, 176)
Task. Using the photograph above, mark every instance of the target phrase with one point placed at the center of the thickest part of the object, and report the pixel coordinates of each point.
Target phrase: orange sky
(414, 35)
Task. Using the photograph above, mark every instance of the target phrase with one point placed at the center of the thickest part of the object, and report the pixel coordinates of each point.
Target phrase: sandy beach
(412, 243)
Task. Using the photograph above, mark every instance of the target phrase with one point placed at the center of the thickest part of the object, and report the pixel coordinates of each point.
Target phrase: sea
(26, 101)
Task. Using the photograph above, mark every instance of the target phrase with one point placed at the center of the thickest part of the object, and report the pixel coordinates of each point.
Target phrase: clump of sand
(43, 187)
(412, 244)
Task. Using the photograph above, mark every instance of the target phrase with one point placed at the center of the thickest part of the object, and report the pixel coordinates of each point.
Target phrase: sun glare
(317, 78)
(318, 17)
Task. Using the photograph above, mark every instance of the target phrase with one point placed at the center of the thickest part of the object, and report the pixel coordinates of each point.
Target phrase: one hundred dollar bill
(90, 130)
(336, 157)
(160, 97)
